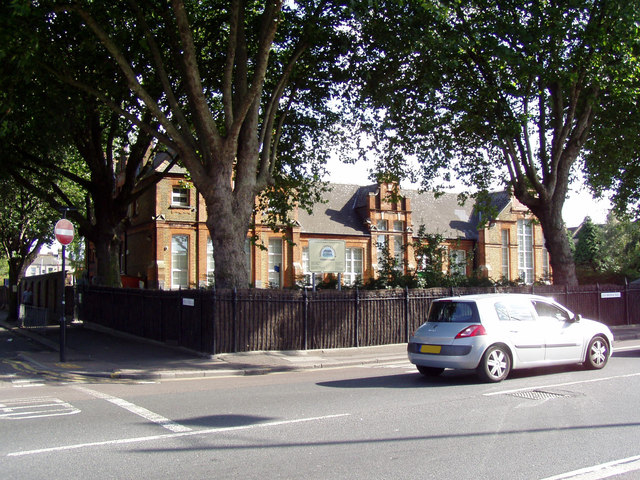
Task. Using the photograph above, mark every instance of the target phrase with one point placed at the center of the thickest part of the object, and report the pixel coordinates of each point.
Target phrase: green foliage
(620, 250)
(589, 246)
(26, 224)
(500, 93)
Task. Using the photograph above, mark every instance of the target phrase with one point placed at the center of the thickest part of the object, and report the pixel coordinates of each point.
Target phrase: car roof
(486, 297)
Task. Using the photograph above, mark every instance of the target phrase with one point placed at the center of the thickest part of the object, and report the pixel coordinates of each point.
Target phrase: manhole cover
(541, 394)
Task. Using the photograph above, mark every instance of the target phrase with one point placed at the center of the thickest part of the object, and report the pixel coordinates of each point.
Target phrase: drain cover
(541, 394)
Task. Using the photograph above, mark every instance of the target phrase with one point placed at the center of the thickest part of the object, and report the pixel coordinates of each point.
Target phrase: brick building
(168, 244)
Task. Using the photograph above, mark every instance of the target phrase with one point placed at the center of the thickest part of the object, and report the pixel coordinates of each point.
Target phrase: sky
(578, 205)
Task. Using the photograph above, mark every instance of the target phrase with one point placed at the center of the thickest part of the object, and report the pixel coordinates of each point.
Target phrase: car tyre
(495, 364)
(429, 371)
(597, 353)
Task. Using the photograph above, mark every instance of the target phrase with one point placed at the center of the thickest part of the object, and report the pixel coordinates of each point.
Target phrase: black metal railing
(221, 321)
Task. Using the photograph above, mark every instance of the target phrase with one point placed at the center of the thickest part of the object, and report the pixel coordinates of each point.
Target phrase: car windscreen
(452, 311)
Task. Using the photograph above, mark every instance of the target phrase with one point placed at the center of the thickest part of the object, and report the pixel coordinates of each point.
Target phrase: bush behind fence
(223, 321)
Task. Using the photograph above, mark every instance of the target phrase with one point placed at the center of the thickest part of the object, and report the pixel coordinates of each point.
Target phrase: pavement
(94, 351)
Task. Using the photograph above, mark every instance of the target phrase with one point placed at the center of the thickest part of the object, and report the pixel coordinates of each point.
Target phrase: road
(374, 422)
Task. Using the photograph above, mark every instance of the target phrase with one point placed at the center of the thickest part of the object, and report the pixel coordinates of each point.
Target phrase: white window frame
(308, 276)
(398, 251)
(275, 253)
(458, 262)
(179, 262)
(506, 255)
(180, 197)
(525, 251)
(354, 265)
(211, 263)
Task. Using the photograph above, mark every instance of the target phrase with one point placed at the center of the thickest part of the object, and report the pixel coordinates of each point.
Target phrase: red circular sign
(64, 231)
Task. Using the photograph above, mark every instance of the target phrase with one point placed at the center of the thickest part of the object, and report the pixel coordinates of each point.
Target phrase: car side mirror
(577, 318)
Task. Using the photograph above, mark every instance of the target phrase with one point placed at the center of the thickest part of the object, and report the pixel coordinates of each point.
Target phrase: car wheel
(597, 353)
(429, 371)
(495, 364)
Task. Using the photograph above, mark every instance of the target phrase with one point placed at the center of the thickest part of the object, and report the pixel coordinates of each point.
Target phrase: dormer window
(180, 197)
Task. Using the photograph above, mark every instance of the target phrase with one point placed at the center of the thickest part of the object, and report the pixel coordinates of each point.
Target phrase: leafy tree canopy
(498, 92)
(220, 83)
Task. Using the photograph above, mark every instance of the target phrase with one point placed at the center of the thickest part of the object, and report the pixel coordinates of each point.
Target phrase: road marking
(37, 407)
(593, 380)
(135, 409)
(23, 383)
(604, 470)
(150, 438)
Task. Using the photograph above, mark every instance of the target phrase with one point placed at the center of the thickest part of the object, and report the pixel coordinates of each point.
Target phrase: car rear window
(451, 311)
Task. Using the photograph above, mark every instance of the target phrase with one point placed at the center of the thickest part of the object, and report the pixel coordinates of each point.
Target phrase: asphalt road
(373, 422)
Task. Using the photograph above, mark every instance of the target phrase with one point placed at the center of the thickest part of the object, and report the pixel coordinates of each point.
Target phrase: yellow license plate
(430, 348)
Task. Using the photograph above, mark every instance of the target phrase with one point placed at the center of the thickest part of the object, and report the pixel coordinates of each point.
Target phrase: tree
(589, 245)
(26, 224)
(620, 252)
(499, 91)
(220, 81)
(613, 162)
(92, 158)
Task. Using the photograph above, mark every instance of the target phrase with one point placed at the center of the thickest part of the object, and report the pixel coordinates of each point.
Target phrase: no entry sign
(64, 231)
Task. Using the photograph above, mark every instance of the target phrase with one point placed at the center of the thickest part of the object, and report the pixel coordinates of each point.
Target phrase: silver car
(496, 333)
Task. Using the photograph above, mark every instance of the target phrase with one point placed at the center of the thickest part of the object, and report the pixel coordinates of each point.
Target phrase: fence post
(235, 319)
(357, 319)
(406, 314)
(598, 300)
(214, 306)
(305, 299)
(627, 317)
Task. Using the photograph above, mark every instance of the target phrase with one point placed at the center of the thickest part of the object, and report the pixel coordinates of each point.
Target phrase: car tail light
(472, 331)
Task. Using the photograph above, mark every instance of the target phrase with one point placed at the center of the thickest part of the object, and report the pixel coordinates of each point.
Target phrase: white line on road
(140, 411)
(175, 435)
(593, 380)
(604, 470)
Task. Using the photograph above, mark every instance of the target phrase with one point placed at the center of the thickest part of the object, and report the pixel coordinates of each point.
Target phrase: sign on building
(326, 256)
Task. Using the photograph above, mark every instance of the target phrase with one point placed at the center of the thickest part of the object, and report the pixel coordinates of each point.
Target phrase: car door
(519, 324)
(563, 336)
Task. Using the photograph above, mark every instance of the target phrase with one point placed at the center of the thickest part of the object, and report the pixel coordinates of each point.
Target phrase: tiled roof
(442, 214)
(338, 216)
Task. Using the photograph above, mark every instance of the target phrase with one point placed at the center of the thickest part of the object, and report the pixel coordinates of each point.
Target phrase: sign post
(64, 235)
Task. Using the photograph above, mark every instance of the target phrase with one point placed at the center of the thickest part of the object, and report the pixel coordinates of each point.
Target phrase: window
(211, 264)
(398, 252)
(458, 262)
(505, 255)
(305, 267)
(180, 197)
(383, 225)
(382, 244)
(546, 310)
(398, 226)
(180, 261)
(275, 262)
(525, 250)
(514, 311)
(353, 267)
(458, 312)
(546, 271)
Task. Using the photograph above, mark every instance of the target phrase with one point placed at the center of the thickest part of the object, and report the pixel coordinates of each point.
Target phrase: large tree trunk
(107, 261)
(229, 212)
(557, 241)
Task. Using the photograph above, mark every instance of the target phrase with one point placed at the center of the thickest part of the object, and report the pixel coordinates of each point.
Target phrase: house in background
(43, 264)
(168, 246)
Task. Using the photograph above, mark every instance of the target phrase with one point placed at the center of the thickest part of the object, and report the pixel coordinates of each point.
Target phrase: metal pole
(63, 322)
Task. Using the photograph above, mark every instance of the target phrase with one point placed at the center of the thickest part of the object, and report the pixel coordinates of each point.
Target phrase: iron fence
(222, 321)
